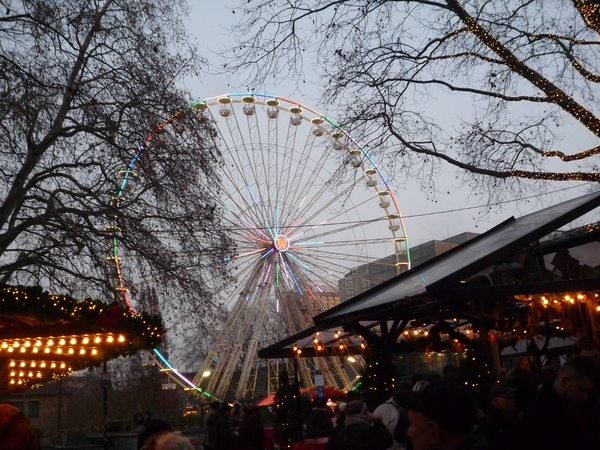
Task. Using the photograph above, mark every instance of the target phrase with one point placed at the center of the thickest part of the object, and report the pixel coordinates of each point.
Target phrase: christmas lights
(99, 332)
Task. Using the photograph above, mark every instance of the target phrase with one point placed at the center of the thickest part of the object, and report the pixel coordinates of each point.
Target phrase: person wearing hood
(16, 431)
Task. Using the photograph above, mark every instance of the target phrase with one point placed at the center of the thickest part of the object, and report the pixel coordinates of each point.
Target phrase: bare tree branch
(516, 72)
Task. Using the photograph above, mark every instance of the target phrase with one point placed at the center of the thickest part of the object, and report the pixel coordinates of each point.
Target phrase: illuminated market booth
(44, 337)
(508, 284)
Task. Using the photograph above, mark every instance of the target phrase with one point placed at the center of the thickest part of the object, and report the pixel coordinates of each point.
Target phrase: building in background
(367, 276)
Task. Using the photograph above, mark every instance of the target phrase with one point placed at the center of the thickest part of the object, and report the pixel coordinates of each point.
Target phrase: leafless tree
(517, 77)
(82, 84)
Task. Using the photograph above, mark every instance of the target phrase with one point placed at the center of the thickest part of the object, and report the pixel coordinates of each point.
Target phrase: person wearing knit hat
(500, 426)
(361, 432)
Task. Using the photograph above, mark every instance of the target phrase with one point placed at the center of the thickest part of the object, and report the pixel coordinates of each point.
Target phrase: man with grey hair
(16, 431)
(554, 420)
(173, 441)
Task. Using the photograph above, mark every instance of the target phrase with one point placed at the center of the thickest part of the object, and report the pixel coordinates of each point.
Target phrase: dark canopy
(450, 268)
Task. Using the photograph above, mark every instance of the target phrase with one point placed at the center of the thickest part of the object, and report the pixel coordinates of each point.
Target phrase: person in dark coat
(442, 416)
(251, 431)
(340, 422)
(220, 436)
(361, 432)
(499, 427)
(318, 423)
(212, 408)
(16, 431)
(554, 422)
(590, 408)
(524, 381)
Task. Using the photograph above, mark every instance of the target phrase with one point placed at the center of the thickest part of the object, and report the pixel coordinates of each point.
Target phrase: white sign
(319, 381)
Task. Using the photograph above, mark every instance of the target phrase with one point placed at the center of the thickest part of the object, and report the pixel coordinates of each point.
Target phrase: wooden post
(494, 351)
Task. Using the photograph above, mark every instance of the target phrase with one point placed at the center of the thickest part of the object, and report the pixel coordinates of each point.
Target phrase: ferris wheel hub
(281, 243)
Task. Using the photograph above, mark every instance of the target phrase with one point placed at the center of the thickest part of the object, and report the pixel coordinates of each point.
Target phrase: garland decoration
(45, 336)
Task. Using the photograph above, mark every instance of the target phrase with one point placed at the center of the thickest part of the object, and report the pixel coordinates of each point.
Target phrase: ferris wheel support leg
(248, 364)
(272, 376)
(218, 345)
(225, 380)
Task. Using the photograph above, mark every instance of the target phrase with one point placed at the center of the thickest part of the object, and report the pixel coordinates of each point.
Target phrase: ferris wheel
(314, 222)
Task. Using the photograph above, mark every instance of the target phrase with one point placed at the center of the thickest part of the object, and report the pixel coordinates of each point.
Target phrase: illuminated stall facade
(44, 337)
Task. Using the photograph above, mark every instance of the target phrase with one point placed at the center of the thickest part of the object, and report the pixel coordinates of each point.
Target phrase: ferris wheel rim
(291, 107)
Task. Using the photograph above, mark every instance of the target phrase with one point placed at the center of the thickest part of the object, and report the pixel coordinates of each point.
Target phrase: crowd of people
(226, 427)
(529, 409)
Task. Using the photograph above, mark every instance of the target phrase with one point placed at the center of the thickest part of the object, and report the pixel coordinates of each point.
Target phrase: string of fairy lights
(553, 94)
(555, 314)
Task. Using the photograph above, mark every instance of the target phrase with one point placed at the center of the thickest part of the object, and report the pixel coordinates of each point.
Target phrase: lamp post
(105, 383)
(298, 401)
(58, 438)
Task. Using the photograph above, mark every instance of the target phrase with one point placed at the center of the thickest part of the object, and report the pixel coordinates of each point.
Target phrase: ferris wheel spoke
(343, 243)
(305, 175)
(328, 261)
(236, 164)
(308, 214)
(321, 194)
(311, 216)
(251, 164)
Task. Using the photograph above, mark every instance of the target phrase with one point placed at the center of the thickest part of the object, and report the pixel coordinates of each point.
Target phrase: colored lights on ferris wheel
(285, 266)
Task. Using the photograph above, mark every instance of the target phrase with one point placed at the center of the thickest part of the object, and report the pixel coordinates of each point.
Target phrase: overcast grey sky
(455, 209)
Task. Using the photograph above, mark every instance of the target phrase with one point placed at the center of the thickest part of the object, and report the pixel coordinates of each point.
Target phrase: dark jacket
(475, 442)
(526, 385)
(318, 423)
(362, 436)
(335, 431)
(251, 434)
(18, 434)
(220, 436)
(401, 428)
(552, 424)
(499, 430)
